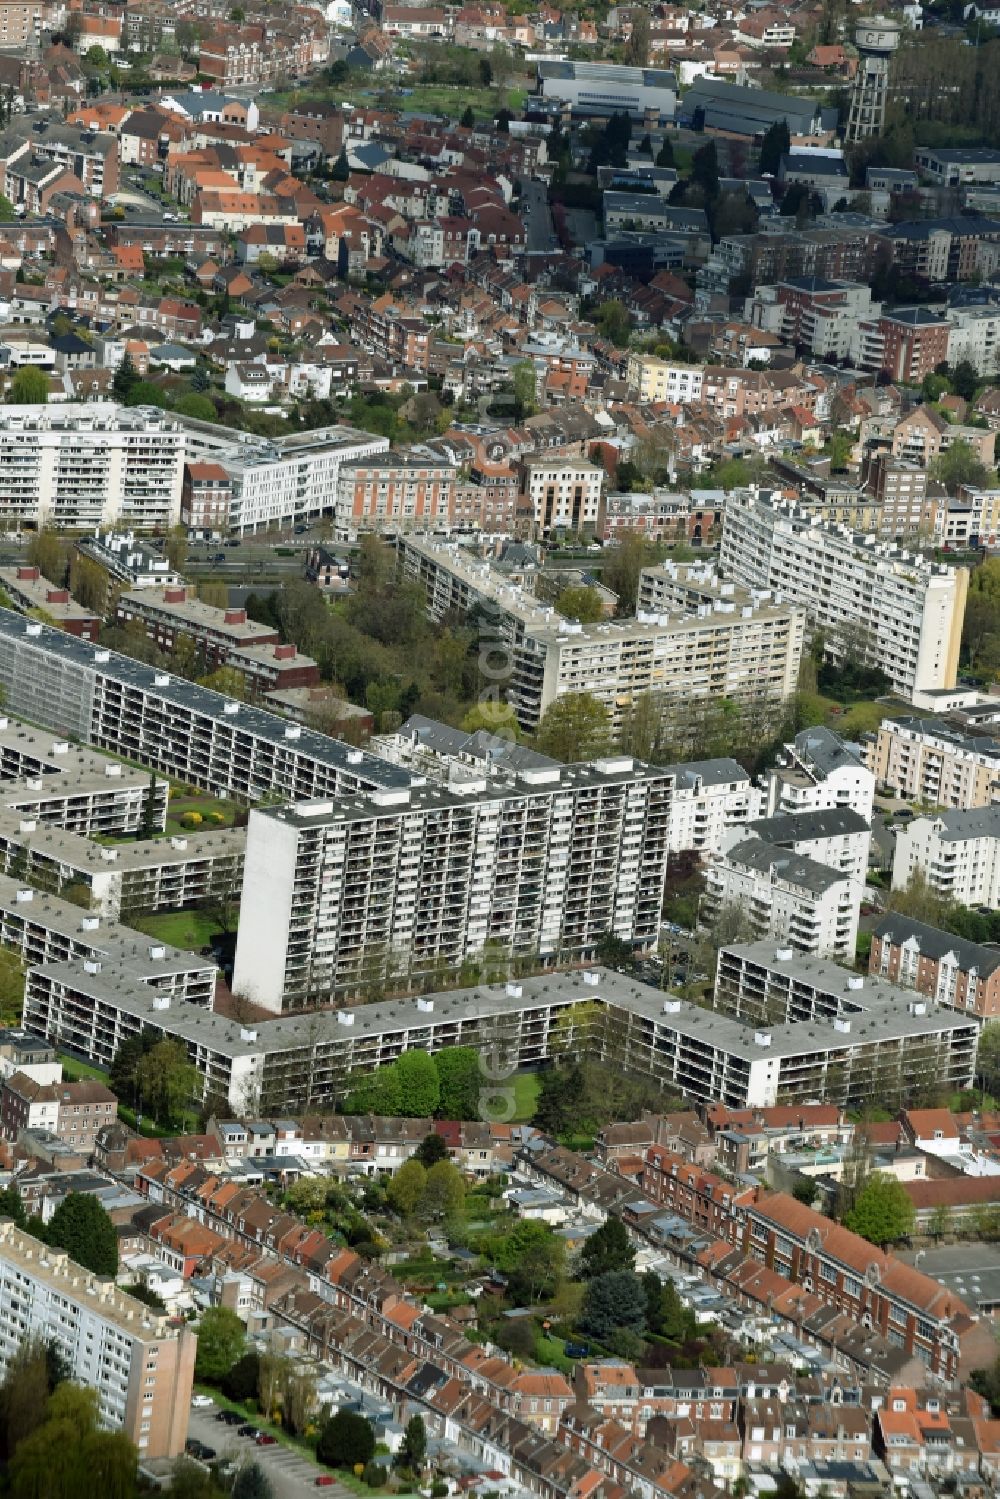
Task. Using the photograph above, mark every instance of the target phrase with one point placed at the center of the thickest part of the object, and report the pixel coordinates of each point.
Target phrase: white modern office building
(957, 852)
(898, 611)
(342, 892)
(694, 640)
(600, 88)
(85, 464)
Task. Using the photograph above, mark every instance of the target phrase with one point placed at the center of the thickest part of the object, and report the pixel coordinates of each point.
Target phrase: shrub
(438, 1489)
(374, 1475)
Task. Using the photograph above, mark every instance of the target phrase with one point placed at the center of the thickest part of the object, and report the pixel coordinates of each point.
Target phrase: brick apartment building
(73, 1111)
(944, 967)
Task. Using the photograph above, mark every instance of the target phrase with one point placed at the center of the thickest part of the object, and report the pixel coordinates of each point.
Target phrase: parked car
(264, 1439)
(231, 1418)
(325, 1481)
(248, 1430)
(201, 1402)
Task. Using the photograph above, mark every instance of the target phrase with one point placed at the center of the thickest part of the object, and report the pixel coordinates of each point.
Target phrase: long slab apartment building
(691, 639)
(800, 1028)
(433, 876)
(173, 726)
(904, 612)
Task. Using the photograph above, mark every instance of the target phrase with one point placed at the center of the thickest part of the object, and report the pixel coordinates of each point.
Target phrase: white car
(201, 1402)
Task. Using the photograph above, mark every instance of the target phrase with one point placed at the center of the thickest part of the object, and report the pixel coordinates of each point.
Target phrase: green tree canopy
(166, 1081)
(609, 1248)
(345, 1440)
(460, 1083)
(883, 1212)
(532, 1258)
(581, 603)
(405, 1191)
(125, 379)
(419, 1088)
(444, 1192)
(575, 727)
(221, 1342)
(29, 387)
(959, 464)
(82, 1227)
(613, 1301)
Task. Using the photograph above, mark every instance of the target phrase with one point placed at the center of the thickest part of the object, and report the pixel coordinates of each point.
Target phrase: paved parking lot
(291, 1475)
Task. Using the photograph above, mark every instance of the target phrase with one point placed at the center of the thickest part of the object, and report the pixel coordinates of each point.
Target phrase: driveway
(292, 1475)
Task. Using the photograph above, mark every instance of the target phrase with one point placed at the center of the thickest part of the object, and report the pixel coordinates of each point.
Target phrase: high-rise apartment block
(342, 891)
(894, 609)
(140, 1364)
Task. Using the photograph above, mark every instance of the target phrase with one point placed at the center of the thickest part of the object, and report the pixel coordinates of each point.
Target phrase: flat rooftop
(202, 701)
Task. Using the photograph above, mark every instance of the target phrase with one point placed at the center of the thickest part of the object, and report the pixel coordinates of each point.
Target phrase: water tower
(876, 39)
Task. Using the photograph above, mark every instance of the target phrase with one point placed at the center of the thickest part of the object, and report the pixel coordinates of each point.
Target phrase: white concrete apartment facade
(904, 614)
(86, 464)
(957, 852)
(407, 880)
(804, 905)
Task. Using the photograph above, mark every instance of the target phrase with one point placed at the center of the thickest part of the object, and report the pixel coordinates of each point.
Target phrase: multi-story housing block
(811, 907)
(430, 876)
(394, 492)
(816, 772)
(564, 494)
(957, 853)
(928, 760)
(140, 1364)
(656, 380)
(693, 639)
(946, 968)
(711, 797)
(173, 726)
(89, 464)
(902, 613)
(280, 481)
(813, 313)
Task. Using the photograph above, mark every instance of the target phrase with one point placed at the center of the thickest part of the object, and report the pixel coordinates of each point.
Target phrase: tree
(149, 823)
(227, 680)
(46, 552)
(67, 1456)
(199, 407)
(12, 1207)
(23, 1394)
(637, 45)
(531, 1256)
(166, 1081)
(29, 387)
(622, 565)
(940, 1222)
(964, 380)
(341, 168)
(468, 118)
(405, 1191)
(444, 1193)
(612, 1301)
(431, 1150)
(126, 378)
(705, 169)
(615, 323)
(240, 1382)
(524, 381)
(214, 592)
(252, 1482)
(345, 1440)
(221, 1341)
(460, 1083)
(175, 548)
(609, 1248)
(774, 146)
(82, 1227)
(665, 155)
(988, 1059)
(883, 1212)
(496, 717)
(413, 1452)
(417, 1080)
(575, 727)
(88, 583)
(581, 603)
(957, 465)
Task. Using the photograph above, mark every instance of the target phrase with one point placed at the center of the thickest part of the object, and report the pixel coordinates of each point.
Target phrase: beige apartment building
(141, 1367)
(927, 760)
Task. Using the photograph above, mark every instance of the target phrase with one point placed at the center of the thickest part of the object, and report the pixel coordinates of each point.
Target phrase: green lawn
(525, 1086)
(207, 807)
(189, 930)
(74, 1069)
